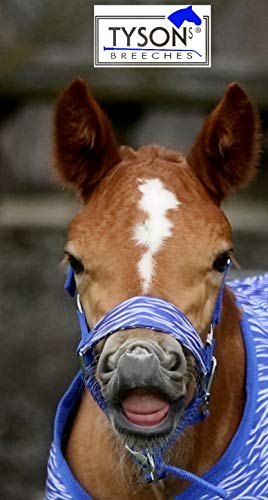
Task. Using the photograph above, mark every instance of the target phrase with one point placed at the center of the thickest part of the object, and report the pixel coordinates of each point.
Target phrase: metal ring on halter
(209, 338)
(83, 366)
(79, 305)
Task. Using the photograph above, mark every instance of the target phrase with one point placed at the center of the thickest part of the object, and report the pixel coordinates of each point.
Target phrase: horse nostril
(174, 361)
(107, 364)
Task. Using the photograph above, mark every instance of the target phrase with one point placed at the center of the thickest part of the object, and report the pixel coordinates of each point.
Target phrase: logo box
(152, 36)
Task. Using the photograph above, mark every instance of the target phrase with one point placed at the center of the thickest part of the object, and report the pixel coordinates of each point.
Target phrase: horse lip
(115, 389)
(164, 428)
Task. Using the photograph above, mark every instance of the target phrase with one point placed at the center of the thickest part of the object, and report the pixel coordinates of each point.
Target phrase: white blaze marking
(156, 200)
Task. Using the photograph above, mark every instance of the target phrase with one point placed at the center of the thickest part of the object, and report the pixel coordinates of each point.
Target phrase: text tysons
(158, 36)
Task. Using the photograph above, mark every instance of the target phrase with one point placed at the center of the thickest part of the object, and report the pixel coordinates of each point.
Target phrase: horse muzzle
(143, 384)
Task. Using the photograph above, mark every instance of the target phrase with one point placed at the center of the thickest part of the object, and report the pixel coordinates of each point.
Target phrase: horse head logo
(179, 16)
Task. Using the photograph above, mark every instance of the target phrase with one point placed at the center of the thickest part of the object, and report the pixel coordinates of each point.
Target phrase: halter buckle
(146, 460)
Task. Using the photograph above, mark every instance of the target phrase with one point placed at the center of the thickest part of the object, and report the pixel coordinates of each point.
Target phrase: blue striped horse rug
(243, 469)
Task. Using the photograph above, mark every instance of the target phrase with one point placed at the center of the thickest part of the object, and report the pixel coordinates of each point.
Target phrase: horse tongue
(144, 408)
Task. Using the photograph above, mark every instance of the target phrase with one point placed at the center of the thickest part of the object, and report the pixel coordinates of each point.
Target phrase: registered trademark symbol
(197, 30)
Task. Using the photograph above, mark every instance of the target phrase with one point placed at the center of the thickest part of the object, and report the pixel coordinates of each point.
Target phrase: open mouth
(146, 413)
(144, 408)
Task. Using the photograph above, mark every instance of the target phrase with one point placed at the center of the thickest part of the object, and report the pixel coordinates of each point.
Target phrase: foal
(151, 230)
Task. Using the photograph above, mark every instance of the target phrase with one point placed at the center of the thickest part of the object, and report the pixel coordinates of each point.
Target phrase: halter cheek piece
(160, 315)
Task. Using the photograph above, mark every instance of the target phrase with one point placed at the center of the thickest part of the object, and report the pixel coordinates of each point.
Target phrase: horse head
(179, 16)
(150, 225)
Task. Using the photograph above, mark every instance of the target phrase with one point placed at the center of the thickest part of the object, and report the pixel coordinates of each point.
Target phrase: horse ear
(226, 152)
(84, 145)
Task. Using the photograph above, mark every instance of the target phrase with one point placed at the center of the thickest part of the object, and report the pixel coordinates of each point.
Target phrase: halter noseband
(160, 315)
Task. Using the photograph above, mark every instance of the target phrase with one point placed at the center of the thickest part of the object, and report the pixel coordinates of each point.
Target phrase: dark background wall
(44, 45)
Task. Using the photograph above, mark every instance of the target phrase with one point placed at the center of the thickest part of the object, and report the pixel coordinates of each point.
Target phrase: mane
(148, 154)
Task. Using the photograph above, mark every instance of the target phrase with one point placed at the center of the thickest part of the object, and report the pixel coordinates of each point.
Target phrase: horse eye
(220, 262)
(75, 264)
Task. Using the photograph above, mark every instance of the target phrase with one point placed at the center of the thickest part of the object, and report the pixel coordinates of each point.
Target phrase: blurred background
(43, 46)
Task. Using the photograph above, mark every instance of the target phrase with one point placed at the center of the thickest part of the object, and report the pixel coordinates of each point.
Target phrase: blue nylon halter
(160, 315)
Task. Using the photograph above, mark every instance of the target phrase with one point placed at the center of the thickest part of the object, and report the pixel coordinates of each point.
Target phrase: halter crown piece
(160, 315)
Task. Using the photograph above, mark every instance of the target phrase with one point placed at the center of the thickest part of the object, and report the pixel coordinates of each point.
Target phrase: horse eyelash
(235, 263)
